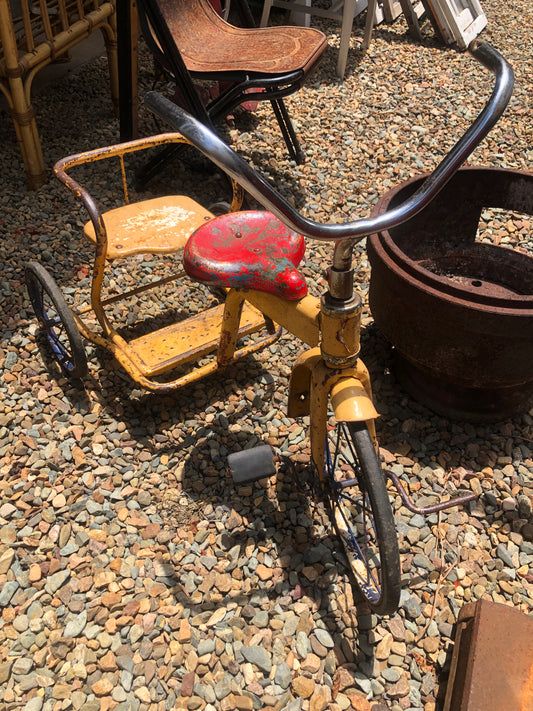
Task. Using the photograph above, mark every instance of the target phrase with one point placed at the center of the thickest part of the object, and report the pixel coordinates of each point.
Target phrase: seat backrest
(163, 46)
(206, 42)
(191, 20)
(179, 23)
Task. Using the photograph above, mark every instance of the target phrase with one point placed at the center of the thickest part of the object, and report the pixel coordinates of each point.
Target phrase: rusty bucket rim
(440, 286)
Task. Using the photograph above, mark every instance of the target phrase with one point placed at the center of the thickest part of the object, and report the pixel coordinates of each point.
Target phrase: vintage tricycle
(252, 258)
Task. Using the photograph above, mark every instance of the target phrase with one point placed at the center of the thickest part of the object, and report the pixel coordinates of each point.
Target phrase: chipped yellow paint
(300, 318)
(160, 225)
(187, 340)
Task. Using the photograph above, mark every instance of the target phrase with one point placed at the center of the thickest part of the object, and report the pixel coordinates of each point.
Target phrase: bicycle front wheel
(362, 515)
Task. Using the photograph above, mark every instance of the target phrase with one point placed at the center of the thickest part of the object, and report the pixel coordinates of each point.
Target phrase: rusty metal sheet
(492, 664)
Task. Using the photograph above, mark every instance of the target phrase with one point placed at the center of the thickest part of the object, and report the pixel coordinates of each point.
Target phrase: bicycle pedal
(251, 464)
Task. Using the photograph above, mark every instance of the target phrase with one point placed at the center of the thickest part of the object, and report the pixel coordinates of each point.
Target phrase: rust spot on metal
(340, 334)
(492, 664)
(433, 508)
(458, 310)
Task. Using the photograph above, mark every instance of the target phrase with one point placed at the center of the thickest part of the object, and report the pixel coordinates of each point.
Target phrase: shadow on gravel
(443, 676)
(281, 517)
(284, 518)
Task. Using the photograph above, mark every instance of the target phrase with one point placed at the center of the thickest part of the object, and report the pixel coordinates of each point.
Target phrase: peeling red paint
(247, 250)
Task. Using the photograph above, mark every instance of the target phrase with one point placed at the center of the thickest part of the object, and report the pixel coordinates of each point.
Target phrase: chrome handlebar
(348, 233)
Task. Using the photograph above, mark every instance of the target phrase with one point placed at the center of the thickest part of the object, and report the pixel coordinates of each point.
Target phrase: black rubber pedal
(251, 464)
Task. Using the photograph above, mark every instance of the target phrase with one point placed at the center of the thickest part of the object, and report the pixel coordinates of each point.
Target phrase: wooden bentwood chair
(192, 42)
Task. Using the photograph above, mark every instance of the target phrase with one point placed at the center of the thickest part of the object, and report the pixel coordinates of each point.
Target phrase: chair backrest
(163, 46)
(180, 23)
(189, 19)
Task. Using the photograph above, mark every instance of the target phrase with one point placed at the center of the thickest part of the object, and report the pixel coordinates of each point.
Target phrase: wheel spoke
(362, 515)
(57, 334)
(361, 547)
(344, 457)
(56, 321)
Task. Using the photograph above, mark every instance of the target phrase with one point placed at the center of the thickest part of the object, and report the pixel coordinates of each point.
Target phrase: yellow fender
(351, 401)
(349, 388)
(300, 383)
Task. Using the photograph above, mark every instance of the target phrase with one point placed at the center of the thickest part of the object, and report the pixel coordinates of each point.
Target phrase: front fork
(320, 377)
(313, 385)
(333, 373)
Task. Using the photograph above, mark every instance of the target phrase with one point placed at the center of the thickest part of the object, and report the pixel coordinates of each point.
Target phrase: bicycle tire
(56, 321)
(362, 515)
(222, 207)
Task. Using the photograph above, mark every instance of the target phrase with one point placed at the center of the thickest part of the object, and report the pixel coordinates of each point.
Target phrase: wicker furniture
(33, 34)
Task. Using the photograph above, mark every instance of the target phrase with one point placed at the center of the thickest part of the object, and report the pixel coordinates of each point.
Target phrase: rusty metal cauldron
(459, 311)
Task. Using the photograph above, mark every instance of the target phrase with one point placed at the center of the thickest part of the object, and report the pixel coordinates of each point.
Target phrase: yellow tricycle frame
(156, 226)
(162, 225)
(330, 370)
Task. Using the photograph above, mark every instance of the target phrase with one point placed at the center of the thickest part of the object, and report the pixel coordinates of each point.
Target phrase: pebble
(283, 675)
(258, 656)
(412, 608)
(75, 627)
(7, 592)
(133, 574)
(503, 553)
(324, 637)
(390, 675)
(34, 704)
(303, 686)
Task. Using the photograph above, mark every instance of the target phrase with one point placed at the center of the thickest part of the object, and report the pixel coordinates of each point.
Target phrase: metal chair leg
(285, 124)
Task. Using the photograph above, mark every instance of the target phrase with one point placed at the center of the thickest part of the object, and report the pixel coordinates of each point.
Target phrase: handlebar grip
(346, 234)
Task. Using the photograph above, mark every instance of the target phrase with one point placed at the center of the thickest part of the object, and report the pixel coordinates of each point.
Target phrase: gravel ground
(133, 574)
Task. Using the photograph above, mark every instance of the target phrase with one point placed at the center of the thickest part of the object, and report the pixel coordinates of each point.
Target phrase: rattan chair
(33, 34)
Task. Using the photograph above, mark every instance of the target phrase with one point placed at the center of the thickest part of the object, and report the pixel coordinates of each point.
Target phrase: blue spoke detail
(50, 322)
(363, 554)
(340, 455)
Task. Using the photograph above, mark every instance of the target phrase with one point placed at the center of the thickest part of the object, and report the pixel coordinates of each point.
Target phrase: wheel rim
(352, 511)
(52, 325)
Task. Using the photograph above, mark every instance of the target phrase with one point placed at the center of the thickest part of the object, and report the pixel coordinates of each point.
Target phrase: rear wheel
(362, 515)
(219, 208)
(56, 321)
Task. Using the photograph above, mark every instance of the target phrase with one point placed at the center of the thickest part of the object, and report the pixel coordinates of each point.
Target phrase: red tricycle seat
(247, 250)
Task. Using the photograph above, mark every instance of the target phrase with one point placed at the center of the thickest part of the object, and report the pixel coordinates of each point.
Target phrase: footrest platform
(182, 342)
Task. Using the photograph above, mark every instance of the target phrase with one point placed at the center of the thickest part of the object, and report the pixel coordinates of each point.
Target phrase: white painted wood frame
(459, 21)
